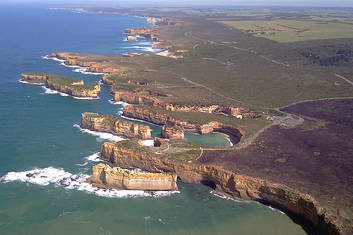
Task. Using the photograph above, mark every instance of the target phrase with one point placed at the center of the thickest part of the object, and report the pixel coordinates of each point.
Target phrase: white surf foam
(60, 177)
(94, 157)
(274, 209)
(84, 71)
(149, 143)
(70, 66)
(50, 91)
(101, 135)
(226, 198)
(117, 102)
(77, 69)
(144, 48)
(85, 98)
(52, 58)
(231, 199)
(21, 81)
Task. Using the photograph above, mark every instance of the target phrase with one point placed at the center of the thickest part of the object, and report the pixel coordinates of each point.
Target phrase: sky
(188, 3)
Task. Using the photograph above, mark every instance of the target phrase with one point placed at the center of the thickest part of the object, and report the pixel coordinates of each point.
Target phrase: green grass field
(294, 30)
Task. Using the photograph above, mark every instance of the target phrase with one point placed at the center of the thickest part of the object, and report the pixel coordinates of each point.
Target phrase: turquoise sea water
(37, 132)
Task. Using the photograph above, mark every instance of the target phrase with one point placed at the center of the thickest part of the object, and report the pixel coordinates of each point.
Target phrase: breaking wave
(117, 102)
(21, 81)
(77, 69)
(61, 178)
(50, 91)
(231, 199)
(101, 135)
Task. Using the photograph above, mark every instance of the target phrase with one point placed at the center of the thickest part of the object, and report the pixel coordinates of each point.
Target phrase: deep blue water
(36, 131)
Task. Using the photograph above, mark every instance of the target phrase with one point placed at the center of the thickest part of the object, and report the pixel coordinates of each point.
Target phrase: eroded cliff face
(131, 38)
(147, 32)
(228, 183)
(172, 132)
(104, 176)
(150, 99)
(162, 119)
(136, 98)
(34, 78)
(115, 126)
(75, 89)
(81, 60)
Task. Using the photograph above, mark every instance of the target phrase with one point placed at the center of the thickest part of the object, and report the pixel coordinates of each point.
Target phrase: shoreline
(52, 92)
(140, 120)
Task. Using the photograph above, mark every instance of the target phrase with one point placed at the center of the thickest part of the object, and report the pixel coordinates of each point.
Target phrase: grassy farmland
(295, 30)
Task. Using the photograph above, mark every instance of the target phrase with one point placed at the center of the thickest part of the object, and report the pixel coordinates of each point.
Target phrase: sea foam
(50, 92)
(231, 199)
(77, 69)
(117, 102)
(101, 135)
(61, 178)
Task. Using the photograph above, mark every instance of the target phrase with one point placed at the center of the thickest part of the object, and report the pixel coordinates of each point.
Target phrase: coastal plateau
(290, 154)
(71, 86)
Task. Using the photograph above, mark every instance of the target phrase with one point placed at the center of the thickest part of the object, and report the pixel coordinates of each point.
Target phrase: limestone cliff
(146, 32)
(73, 59)
(115, 126)
(136, 98)
(131, 38)
(162, 119)
(75, 89)
(232, 184)
(155, 99)
(151, 20)
(37, 78)
(104, 176)
(67, 85)
(172, 132)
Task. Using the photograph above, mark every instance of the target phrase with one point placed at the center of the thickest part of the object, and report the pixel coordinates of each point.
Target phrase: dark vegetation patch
(317, 161)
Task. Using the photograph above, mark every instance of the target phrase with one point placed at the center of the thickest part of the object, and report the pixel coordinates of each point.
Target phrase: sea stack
(131, 38)
(105, 176)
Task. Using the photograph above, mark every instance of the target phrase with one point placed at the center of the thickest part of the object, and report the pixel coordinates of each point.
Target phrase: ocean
(40, 136)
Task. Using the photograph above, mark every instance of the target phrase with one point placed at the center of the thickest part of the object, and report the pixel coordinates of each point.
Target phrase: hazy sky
(153, 3)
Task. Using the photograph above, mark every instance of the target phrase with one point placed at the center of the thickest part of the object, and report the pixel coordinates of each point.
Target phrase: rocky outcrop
(132, 54)
(172, 132)
(104, 176)
(136, 98)
(158, 142)
(131, 38)
(163, 46)
(115, 126)
(151, 20)
(228, 183)
(146, 32)
(71, 86)
(36, 78)
(162, 119)
(75, 89)
(72, 59)
(150, 99)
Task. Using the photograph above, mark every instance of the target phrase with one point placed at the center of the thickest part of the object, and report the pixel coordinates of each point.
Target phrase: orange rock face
(81, 60)
(161, 119)
(105, 176)
(115, 126)
(228, 183)
(172, 132)
(131, 38)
